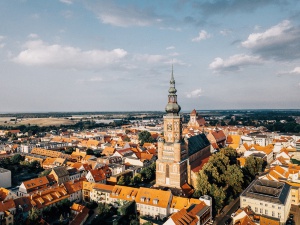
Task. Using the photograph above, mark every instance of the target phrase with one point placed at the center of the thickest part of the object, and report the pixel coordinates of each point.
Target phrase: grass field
(5, 121)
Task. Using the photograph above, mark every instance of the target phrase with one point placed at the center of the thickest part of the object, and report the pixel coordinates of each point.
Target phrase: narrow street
(227, 211)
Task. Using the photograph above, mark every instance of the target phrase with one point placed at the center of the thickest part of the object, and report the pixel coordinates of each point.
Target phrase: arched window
(161, 167)
(174, 168)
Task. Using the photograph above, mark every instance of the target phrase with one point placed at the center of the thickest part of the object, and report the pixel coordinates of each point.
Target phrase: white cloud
(225, 32)
(1, 39)
(194, 94)
(281, 41)
(203, 35)
(39, 53)
(275, 34)
(296, 70)
(170, 47)
(68, 2)
(234, 62)
(33, 35)
(109, 13)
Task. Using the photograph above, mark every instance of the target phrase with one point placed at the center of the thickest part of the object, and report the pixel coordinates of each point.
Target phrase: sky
(96, 55)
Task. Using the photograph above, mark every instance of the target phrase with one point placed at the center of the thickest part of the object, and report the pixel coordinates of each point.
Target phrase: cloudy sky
(94, 55)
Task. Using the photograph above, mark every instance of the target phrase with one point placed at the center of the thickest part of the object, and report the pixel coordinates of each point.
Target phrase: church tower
(171, 165)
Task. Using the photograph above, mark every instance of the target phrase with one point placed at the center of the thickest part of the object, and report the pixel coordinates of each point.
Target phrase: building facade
(171, 165)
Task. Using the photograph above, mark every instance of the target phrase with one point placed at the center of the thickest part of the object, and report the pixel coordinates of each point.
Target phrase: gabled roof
(74, 186)
(184, 218)
(60, 171)
(6, 205)
(219, 135)
(36, 182)
(197, 143)
(153, 197)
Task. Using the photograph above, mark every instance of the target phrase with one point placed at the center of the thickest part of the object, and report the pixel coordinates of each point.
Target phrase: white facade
(5, 178)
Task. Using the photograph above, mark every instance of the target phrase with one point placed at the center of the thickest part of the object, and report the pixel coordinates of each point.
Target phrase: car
(291, 216)
(233, 215)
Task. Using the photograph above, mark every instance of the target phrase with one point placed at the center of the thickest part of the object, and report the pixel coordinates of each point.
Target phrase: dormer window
(142, 199)
(155, 201)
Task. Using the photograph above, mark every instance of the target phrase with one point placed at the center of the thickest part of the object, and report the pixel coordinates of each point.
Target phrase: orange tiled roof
(3, 193)
(184, 218)
(6, 205)
(149, 196)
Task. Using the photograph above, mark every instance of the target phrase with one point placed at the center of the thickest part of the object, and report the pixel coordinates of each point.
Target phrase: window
(260, 203)
(175, 169)
(266, 212)
(261, 211)
(256, 209)
(273, 213)
(279, 215)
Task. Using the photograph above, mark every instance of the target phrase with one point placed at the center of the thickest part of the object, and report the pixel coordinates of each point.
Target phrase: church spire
(172, 106)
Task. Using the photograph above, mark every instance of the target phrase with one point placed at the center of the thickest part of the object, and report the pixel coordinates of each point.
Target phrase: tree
(102, 209)
(231, 154)
(253, 166)
(34, 215)
(234, 178)
(45, 173)
(203, 185)
(89, 152)
(219, 196)
(121, 181)
(61, 218)
(16, 159)
(145, 136)
(136, 179)
(126, 139)
(69, 150)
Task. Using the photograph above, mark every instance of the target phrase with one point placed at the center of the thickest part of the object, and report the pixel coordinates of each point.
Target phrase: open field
(5, 121)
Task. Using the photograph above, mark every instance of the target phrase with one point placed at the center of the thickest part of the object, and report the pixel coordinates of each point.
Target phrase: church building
(177, 157)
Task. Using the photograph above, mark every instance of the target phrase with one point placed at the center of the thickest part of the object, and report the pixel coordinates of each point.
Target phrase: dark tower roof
(172, 106)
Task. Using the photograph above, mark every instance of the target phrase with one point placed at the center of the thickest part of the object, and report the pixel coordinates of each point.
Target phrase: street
(227, 211)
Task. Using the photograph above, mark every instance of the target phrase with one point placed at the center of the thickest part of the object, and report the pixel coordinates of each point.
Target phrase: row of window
(266, 212)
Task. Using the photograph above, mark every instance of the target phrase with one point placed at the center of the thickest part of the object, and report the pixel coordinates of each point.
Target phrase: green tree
(203, 185)
(121, 181)
(137, 179)
(102, 209)
(89, 152)
(254, 165)
(69, 150)
(45, 173)
(126, 139)
(145, 136)
(34, 215)
(234, 178)
(61, 218)
(231, 154)
(16, 159)
(219, 196)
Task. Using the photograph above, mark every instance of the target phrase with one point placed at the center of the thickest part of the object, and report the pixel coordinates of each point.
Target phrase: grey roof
(197, 143)
(61, 171)
(268, 190)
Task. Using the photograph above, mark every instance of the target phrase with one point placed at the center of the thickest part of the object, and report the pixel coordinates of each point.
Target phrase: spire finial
(172, 74)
